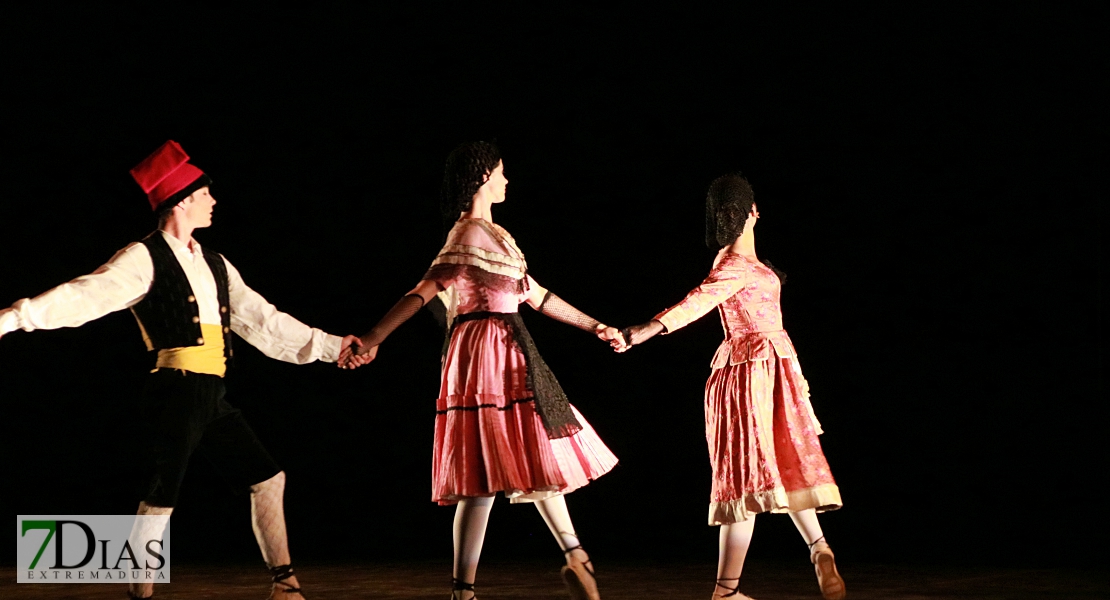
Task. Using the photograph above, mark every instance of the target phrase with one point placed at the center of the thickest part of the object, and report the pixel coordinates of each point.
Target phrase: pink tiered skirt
(762, 433)
(488, 436)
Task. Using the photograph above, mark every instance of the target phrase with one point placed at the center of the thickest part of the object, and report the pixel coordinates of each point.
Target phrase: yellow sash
(207, 358)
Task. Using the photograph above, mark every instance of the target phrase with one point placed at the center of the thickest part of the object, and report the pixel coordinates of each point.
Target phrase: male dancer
(188, 300)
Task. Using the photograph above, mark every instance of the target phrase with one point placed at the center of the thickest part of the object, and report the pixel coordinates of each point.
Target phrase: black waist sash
(551, 402)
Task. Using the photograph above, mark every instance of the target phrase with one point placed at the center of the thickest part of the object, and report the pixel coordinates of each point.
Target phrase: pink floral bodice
(746, 293)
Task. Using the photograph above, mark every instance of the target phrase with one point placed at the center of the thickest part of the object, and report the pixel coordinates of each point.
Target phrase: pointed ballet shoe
(579, 577)
(132, 596)
(830, 581)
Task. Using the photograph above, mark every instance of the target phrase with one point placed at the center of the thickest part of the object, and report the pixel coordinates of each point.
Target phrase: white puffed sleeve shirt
(125, 280)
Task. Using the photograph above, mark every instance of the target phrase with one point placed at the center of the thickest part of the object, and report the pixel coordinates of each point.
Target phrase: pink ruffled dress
(759, 423)
(488, 436)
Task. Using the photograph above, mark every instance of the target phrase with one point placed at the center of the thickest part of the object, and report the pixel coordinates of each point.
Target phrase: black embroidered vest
(169, 313)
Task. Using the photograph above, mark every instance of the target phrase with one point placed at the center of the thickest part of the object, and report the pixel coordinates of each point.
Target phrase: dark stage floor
(530, 580)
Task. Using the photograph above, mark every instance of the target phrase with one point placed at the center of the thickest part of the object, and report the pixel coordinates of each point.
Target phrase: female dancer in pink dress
(502, 423)
(761, 429)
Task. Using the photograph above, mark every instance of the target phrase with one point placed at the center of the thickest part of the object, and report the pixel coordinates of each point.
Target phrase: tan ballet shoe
(579, 577)
(830, 581)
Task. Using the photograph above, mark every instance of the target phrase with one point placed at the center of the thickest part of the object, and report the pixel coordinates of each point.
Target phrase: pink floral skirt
(488, 436)
(763, 444)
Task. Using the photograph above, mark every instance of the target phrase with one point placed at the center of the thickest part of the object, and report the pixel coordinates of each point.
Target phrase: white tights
(472, 516)
(736, 537)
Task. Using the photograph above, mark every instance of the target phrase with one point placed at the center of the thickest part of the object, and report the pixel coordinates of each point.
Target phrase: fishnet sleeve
(558, 309)
(402, 311)
(638, 334)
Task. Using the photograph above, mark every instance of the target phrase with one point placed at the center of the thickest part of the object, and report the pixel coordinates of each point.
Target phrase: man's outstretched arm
(118, 284)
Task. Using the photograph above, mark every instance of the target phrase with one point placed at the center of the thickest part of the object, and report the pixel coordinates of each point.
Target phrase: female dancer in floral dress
(503, 423)
(761, 429)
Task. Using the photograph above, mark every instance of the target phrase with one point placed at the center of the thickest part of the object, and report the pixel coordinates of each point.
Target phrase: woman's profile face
(495, 183)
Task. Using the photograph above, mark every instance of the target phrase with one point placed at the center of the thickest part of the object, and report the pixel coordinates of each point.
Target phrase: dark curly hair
(727, 207)
(468, 165)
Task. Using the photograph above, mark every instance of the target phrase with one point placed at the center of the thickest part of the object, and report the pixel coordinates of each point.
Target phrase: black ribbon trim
(508, 406)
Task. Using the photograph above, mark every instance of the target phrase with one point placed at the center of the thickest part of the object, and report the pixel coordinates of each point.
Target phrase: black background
(925, 174)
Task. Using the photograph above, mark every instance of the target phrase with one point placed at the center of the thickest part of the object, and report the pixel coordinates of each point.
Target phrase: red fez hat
(167, 177)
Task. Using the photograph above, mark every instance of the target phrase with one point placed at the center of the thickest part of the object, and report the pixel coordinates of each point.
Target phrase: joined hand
(353, 354)
(613, 336)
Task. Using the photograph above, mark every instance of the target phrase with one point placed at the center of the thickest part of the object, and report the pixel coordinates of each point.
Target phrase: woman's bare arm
(426, 289)
(536, 293)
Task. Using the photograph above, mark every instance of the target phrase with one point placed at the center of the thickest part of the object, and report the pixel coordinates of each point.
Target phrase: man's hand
(345, 350)
(352, 353)
(4, 313)
(362, 356)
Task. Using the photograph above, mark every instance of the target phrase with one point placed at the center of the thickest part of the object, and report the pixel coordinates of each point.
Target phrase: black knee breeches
(182, 413)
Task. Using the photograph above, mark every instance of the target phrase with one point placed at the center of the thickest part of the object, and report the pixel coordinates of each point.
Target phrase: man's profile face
(197, 208)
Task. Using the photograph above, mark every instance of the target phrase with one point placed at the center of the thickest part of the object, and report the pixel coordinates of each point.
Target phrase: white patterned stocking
(268, 522)
(148, 529)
